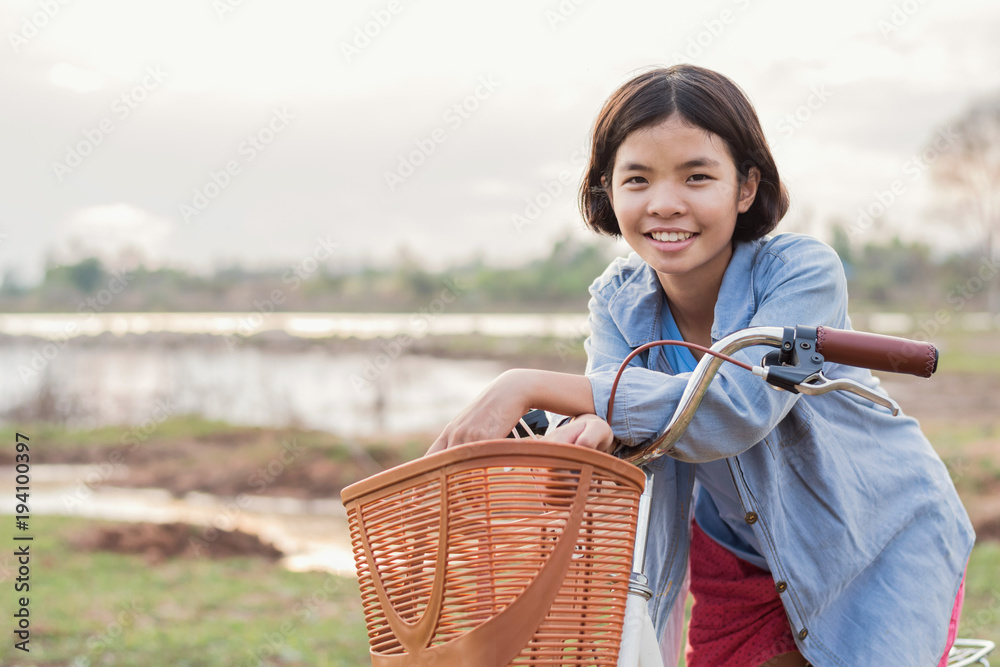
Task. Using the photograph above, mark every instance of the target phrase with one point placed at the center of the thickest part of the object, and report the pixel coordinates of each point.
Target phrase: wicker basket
(496, 553)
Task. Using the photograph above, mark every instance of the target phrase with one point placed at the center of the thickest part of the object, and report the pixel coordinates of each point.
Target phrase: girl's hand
(492, 414)
(586, 431)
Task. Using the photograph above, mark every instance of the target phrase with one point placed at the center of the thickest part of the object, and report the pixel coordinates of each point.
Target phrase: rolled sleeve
(799, 285)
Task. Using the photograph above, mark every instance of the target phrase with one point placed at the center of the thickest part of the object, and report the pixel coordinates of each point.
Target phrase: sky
(203, 133)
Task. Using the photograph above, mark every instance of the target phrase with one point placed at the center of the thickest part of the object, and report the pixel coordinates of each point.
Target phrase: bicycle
(496, 553)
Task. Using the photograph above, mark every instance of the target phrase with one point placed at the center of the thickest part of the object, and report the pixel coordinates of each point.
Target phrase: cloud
(355, 121)
(116, 233)
(75, 78)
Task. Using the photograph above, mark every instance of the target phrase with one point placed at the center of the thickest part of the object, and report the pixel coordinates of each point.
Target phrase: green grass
(972, 457)
(192, 427)
(951, 436)
(962, 361)
(968, 351)
(93, 608)
(981, 612)
(110, 609)
(58, 436)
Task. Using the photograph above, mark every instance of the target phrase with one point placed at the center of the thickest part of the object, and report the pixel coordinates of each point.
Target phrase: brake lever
(818, 384)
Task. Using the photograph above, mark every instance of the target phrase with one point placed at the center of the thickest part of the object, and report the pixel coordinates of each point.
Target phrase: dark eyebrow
(695, 163)
(699, 162)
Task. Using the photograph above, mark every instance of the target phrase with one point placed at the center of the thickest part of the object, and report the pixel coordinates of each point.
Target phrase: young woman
(821, 530)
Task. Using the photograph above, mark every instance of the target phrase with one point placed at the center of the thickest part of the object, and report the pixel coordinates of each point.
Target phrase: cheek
(624, 206)
(721, 203)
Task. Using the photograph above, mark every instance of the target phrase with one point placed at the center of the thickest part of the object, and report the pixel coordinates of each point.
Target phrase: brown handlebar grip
(877, 352)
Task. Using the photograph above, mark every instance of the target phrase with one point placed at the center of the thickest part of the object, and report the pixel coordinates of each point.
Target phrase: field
(151, 607)
(98, 608)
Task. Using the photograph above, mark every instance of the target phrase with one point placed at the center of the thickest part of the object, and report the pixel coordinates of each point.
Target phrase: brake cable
(656, 343)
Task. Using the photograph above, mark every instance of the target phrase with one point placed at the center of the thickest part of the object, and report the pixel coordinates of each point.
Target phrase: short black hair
(702, 98)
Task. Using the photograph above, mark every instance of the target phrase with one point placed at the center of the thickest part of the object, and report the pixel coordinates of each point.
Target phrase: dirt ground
(249, 460)
(966, 398)
(960, 412)
(255, 461)
(157, 542)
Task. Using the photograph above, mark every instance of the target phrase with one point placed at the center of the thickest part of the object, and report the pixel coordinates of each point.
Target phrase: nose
(665, 201)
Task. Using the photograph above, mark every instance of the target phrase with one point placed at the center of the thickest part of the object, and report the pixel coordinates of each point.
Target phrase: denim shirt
(855, 513)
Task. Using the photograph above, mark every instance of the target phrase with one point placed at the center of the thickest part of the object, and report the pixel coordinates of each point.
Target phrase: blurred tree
(884, 273)
(11, 284)
(894, 273)
(966, 168)
(411, 277)
(85, 275)
(841, 243)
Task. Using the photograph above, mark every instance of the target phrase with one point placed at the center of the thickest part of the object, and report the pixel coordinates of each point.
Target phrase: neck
(694, 311)
(692, 297)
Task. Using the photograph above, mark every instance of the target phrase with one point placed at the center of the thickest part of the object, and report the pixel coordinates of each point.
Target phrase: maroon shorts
(738, 619)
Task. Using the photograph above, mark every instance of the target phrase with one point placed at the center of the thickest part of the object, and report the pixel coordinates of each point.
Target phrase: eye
(635, 180)
(700, 178)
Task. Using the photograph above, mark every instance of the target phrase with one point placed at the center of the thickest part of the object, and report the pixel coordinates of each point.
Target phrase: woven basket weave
(496, 553)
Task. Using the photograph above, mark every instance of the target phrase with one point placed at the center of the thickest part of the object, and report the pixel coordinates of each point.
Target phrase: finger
(565, 433)
(595, 435)
(588, 438)
(568, 433)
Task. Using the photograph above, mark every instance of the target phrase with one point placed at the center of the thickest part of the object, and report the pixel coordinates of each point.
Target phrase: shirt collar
(635, 305)
(736, 303)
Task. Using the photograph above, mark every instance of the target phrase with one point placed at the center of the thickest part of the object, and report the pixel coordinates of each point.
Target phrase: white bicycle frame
(639, 645)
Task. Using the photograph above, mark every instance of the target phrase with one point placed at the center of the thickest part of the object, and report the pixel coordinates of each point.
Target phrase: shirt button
(781, 586)
(803, 633)
(751, 517)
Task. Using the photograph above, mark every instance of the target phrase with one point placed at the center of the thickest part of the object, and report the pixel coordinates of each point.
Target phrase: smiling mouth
(670, 237)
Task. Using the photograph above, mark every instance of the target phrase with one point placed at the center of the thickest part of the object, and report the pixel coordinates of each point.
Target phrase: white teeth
(672, 237)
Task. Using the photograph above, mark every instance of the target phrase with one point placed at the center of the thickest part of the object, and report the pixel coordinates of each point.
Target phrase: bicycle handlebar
(877, 352)
(852, 348)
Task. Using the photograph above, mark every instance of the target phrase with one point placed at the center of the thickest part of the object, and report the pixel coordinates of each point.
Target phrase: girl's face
(676, 194)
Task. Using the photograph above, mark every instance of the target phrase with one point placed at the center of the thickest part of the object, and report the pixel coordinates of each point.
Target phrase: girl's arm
(804, 284)
(495, 412)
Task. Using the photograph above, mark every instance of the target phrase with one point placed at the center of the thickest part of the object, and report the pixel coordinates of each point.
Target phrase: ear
(748, 190)
(607, 190)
